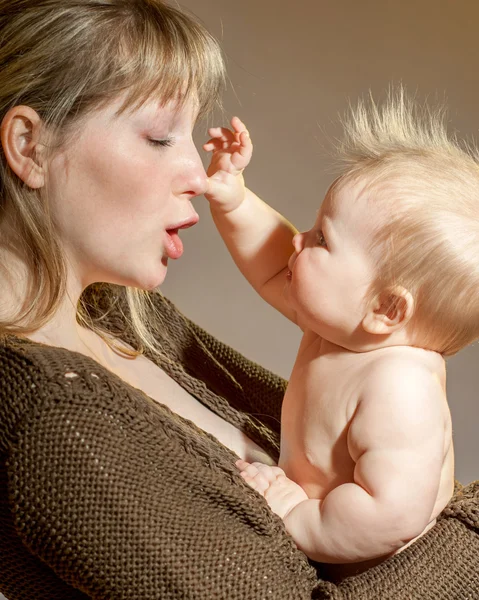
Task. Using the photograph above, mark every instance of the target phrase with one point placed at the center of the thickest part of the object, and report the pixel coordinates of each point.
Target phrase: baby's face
(332, 267)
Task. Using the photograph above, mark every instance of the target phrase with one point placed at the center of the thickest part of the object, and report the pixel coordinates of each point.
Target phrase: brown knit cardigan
(106, 494)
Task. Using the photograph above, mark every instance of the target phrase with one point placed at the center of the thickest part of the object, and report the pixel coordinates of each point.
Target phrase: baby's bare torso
(323, 394)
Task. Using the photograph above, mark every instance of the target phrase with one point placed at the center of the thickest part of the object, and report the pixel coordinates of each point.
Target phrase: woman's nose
(194, 179)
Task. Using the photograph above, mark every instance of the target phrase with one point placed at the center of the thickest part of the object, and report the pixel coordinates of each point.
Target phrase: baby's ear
(389, 311)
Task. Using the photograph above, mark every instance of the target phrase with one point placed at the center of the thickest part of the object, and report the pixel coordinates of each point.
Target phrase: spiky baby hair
(421, 185)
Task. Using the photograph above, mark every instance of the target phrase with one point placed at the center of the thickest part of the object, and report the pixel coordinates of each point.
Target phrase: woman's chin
(150, 281)
(155, 282)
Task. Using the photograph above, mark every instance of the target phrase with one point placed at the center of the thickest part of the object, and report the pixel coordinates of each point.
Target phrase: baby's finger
(249, 480)
(266, 471)
(209, 146)
(262, 483)
(258, 483)
(242, 464)
(246, 143)
(214, 131)
(240, 131)
(217, 144)
(221, 133)
(238, 125)
(249, 470)
(244, 475)
(242, 152)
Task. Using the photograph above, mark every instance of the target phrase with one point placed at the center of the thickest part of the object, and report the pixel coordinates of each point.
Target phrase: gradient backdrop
(293, 67)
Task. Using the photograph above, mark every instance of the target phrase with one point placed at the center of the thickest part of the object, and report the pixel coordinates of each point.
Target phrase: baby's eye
(320, 239)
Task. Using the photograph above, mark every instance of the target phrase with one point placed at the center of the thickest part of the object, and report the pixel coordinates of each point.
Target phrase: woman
(120, 420)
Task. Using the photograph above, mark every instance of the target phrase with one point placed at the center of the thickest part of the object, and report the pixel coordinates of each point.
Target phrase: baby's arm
(258, 237)
(397, 439)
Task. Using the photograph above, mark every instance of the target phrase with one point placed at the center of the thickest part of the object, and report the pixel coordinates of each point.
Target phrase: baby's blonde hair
(423, 185)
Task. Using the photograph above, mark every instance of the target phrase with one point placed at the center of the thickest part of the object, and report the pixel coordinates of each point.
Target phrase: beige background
(293, 67)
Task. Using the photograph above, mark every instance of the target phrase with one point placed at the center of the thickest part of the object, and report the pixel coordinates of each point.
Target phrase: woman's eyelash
(163, 143)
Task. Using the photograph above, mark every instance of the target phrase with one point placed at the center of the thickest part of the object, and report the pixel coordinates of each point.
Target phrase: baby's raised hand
(231, 153)
(282, 494)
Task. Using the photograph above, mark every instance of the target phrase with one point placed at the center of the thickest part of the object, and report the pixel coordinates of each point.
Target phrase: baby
(383, 285)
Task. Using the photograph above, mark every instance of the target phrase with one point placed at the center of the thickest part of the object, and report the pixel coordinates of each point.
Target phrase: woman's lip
(289, 274)
(173, 245)
(185, 224)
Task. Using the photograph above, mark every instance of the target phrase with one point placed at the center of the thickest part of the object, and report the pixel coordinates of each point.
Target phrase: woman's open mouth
(174, 245)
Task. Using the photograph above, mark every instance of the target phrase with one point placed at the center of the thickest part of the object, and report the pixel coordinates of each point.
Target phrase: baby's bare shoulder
(412, 374)
(397, 361)
(402, 404)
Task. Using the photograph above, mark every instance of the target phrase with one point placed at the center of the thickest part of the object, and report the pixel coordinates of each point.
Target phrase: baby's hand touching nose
(231, 153)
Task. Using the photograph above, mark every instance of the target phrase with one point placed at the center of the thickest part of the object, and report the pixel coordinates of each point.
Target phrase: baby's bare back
(341, 406)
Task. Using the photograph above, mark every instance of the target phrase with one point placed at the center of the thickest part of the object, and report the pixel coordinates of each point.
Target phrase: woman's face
(122, 190)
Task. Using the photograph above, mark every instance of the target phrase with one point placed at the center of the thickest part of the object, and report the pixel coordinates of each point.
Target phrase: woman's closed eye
(161, 143)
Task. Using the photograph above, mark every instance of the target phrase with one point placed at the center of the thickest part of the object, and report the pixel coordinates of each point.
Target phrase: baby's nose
(298, 242)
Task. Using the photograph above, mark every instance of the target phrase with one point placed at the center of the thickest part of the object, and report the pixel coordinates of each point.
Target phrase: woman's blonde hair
(65, 59)
(423, 185)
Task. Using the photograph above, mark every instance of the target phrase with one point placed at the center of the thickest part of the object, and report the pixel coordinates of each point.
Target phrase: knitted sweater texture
(107, 494)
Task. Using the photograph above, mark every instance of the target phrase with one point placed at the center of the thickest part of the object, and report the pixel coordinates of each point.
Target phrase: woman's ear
(20, 134)
(391, 310)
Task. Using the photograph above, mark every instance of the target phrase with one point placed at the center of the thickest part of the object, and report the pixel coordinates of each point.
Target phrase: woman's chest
(141, 373)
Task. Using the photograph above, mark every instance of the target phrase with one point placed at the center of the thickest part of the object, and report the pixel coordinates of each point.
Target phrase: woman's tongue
(174, 246)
